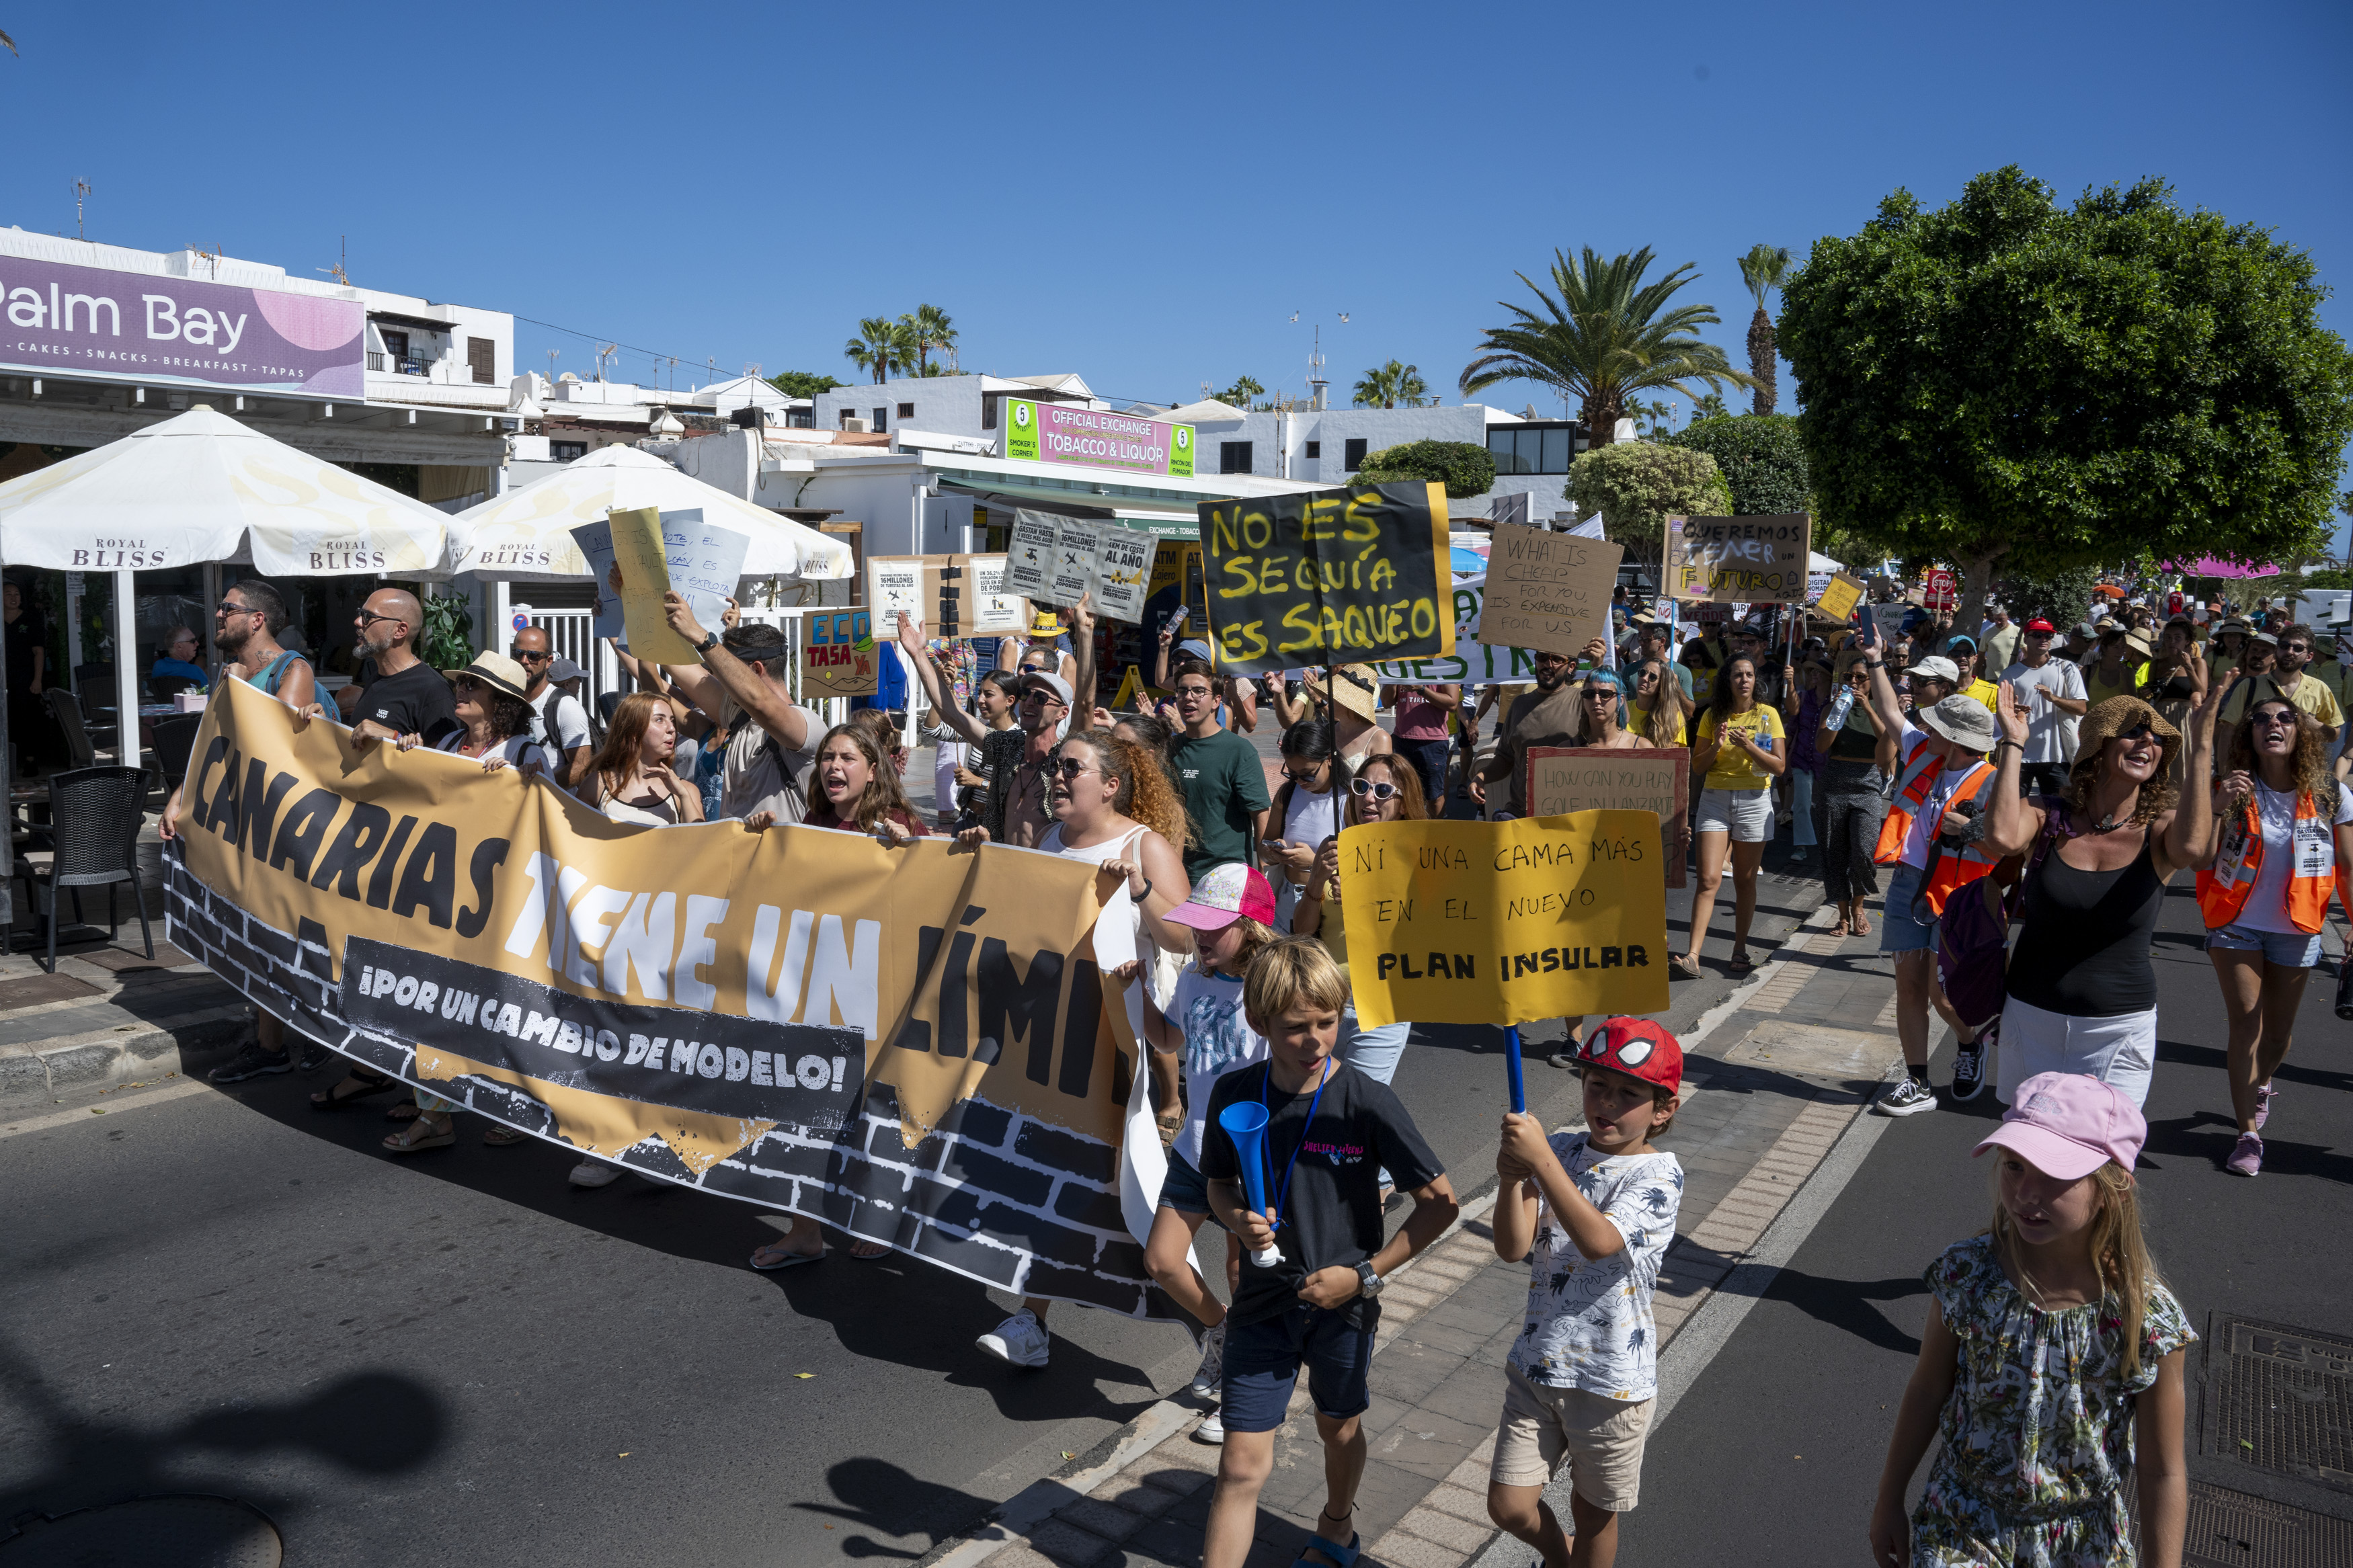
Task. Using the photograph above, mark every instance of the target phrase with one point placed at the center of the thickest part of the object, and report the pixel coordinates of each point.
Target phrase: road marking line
(113, 1107)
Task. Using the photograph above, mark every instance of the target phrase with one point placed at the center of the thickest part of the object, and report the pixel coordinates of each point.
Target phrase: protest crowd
(1944, 780)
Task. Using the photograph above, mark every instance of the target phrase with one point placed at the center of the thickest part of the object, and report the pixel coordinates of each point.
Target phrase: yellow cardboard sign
(643, 561)
(1505, 923)
(1839, 599)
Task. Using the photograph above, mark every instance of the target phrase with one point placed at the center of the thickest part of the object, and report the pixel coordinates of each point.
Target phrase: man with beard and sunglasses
(1547, 716)
(245, 623)
(407, 697)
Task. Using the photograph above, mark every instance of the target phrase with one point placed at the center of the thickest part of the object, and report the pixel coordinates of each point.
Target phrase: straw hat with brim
(1355, 688)
(2138, 643)
(1045, 624)
(498, 672)
(1964, 720)
(2105, 721)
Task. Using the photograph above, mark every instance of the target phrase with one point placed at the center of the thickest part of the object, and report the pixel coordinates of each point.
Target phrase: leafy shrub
(1464, 468)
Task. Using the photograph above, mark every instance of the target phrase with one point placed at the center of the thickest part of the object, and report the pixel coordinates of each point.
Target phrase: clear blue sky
(1141, 194)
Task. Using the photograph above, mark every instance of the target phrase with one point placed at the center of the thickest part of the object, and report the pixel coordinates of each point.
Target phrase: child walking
(1593, 1212)
(1330, 1129)
(1229, 909)
(2052, 1351)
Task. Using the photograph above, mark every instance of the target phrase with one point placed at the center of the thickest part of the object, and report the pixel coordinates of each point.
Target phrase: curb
(101, 1059)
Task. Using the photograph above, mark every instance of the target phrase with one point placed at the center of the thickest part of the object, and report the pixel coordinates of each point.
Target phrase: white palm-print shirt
(1588, 1321)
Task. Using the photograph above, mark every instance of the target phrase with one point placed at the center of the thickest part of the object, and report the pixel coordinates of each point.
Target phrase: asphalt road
(1774, 1454)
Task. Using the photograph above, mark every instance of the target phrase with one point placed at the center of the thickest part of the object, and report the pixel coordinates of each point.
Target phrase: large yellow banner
(909, 1042)
(1505, 923)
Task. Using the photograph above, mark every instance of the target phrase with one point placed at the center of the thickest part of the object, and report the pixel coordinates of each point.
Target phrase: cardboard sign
(1350, 575)
(1505, 923)
(1736, 560)
(1548, 591)
(952, 595)
(838, 655)
(1839, 600)
(903, 584)
(996, 609)
(1122, 569)
(656, 551)
(1564, 779)
(1077, 542)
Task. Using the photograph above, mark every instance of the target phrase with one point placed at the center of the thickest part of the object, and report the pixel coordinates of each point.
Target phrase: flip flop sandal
(329, 1099)
(1685, 966)
(420, 1136)
(784, 1259)
(1342, 1556)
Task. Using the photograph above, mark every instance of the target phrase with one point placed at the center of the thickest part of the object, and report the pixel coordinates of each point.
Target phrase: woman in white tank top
(1307, 805)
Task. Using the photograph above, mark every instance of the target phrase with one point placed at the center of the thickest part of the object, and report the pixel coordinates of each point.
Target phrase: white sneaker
(1908, 1097)
(595, 1174)
(1212, 1430)
(1210, 1379)
(1020, 1340)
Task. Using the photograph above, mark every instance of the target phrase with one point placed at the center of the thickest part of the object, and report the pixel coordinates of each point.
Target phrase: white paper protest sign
(1029, 565)
(1124, 572)
(1076, 547)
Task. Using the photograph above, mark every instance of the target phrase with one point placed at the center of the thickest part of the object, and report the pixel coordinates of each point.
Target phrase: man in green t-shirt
(1224, 782)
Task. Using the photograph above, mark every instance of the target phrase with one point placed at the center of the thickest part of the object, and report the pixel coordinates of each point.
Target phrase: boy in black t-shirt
(1330, 1131)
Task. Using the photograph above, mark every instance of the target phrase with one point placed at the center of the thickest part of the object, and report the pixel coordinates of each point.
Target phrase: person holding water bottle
(1325, 1130)
(1739, 747)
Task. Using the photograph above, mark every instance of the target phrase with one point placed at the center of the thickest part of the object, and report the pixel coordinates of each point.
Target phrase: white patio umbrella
(199, 488)
(526, 535)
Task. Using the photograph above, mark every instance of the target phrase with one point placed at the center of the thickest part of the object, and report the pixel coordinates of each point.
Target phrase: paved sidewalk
(1774, 1078)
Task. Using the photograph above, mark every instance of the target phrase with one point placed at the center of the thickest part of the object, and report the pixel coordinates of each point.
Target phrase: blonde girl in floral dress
(2051, 1365)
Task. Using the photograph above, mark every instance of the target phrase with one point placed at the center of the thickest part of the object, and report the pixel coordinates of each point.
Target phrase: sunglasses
(368, 616)
(1601, 694)
(225, 608)
(1068, 768)
(2296, 647)
(2274, 718)
(1373, 787)
(2140, 732)
(523, 658)
(1040, 694)
(1310, 776)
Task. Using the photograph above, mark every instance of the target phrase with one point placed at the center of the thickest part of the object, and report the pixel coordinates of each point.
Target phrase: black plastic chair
(164, 688)
(176, 737)
(81, 752)
(95, 815)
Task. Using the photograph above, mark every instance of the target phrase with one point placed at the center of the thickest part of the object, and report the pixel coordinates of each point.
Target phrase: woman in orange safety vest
(2285, 843)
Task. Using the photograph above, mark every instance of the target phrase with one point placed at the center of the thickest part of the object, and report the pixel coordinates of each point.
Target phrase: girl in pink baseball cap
(2052, 1353)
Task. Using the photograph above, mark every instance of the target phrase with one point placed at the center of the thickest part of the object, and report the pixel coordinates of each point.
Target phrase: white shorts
(1745, 814)
(2120, 1050)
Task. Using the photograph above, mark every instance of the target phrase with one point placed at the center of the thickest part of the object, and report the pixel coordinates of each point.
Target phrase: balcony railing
(400, 364)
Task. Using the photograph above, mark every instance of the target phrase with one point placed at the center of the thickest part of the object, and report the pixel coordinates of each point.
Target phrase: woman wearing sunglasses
(1850, 801)
(1307, 808)
(2282, 835)
(1387, 788)
(1660, 722)
(2081, 988)
(1598, 705)
(1740, 752)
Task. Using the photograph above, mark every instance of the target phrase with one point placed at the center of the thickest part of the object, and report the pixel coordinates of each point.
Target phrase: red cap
(2038, 624)
(1637, 1048)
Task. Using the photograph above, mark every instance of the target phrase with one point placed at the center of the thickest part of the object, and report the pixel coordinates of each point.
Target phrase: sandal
(1740, 965)
(1684, 966)
(419, 1135)
(1862, 924)
(781, 1256)
(1338, 1556)
(500, 1137)
(402, 1111)
(351, 1087)
(863, 1250)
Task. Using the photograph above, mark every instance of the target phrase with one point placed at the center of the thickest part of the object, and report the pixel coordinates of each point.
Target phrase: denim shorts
(2288, 949)
(1263, 1358)
(1183, 1189)
(1898, 931)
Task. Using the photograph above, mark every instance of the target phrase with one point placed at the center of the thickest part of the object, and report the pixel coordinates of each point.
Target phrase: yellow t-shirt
(1641, 725)
(2312, 695)
(1984, 692)
(1733, 768)
(2100, 691)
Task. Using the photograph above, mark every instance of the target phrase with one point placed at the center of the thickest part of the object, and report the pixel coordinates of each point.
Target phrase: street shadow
(893, 1308)
(1845, 1304)
(370, 1423)
(881, 1496)
(2291, 1070)
(2209, 1136)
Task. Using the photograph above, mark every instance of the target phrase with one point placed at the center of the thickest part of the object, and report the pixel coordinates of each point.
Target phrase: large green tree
(1765, 269)
(802, 383)
(881, 346)
(1761, 456)
(927, 328)
(1601, 335)
(2009, 381)
(1637, 485)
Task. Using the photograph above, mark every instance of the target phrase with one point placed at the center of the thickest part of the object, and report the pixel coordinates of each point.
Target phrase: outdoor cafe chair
(95, 815)
(79, 750)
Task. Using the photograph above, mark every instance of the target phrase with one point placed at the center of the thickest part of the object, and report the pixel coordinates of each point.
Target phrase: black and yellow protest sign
(1656, 779)
(1338, 576)
(1505, 923)
(909, 1042)
(1739, 559)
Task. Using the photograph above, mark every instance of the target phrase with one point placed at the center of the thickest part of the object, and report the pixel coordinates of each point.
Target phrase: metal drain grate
(2232, 1529)
(186, 1532)
(2279, 1398)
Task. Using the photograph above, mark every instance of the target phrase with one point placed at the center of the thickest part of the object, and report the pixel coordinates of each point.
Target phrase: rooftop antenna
(343, 255)
(81, 191)
(603, 354)
(553, 355)
(673, 373)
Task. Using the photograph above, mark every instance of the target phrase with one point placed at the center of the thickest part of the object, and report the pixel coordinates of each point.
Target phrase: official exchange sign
(910, 1044)
(1354, 575)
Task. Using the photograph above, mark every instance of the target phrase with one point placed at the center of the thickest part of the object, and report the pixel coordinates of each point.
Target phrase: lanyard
(1284, 1193)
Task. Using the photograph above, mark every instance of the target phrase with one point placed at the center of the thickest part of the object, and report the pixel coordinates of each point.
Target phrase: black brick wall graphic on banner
(991, 1193)
(1354, 575)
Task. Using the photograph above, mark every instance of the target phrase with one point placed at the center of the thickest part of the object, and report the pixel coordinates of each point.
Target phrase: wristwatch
(1368, 1282)
(710, 640)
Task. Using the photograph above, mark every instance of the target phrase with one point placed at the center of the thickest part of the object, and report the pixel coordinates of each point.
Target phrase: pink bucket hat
(1223, 894)
(2069, 1124)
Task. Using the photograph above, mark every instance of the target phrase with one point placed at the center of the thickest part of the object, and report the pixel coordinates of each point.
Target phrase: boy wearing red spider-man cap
(1594, 1212)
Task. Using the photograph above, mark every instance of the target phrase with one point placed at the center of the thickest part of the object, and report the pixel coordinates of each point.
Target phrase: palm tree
(1238, 395)
(1763, 269)
(930, 329)
(1391, 384)
(876, 347)
(1604, 334)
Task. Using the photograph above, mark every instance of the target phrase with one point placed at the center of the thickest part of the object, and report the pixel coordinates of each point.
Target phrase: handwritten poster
(1840, 598)
(838, 655)
(1505, 923)
(656, 551)
(1565, 779)
(1548, 591)
(1738, 560)
(1349, 576)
